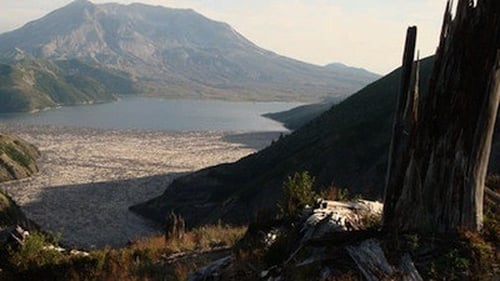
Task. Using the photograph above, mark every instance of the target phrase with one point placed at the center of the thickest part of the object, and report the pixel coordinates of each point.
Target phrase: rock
(54, 248)
(79, 253)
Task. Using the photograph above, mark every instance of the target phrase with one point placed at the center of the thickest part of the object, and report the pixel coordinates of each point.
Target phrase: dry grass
(148, 259)
(198, 239)
(335, 193)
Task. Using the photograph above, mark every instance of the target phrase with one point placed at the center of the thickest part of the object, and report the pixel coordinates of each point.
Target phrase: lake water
(161, 114)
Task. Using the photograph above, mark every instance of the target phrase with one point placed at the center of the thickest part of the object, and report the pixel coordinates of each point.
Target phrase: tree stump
(435, 180)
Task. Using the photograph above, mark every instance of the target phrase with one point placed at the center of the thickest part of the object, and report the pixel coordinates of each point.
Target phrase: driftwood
(333, 221)
(372, 262)
(186, 256)
(492, 195)
(438, 163)
(335, 216)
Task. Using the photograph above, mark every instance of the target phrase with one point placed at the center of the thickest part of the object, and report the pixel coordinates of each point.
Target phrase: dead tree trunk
(436, 180)
(398, 157)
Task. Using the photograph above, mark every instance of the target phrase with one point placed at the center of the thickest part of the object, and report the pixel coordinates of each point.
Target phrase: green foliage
(34, 254)
(16, 155)
(34, 84)
(464, 255)
(298, 192)
(454, 265)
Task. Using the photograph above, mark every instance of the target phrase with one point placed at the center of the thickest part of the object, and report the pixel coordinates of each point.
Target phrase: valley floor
(89, 177)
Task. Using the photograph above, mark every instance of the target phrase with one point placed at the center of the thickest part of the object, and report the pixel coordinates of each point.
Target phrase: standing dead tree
(175, 227)
(438, 159)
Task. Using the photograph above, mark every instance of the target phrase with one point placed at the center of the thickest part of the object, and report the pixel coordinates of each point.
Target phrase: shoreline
(89, 177)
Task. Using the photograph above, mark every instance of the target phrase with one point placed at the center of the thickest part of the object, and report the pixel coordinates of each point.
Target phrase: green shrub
(298, 193)
(33, 253)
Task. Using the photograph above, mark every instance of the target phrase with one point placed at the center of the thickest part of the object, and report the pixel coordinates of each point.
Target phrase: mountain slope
(11, 214)
(175, 53)
(32, 84)
(17, 160)
(346, 146)
(301, 115)
(354, 71)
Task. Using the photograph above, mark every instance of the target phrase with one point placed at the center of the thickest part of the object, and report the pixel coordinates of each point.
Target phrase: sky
(361, 33)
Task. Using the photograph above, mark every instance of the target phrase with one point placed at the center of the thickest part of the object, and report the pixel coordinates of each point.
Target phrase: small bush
(33, 253)
(298, 193)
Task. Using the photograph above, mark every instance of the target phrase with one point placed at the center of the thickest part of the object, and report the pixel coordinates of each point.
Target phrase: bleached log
(371, 261)
(336, 216)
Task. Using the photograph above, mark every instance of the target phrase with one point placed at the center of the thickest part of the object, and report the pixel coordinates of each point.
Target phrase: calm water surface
(161, 114)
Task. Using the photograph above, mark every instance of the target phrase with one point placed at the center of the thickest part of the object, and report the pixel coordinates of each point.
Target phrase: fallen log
(371, 261)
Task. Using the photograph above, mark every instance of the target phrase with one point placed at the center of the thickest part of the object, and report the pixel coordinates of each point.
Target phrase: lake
(161, 114)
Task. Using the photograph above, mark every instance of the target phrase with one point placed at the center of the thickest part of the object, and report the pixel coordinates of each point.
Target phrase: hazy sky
(363, 33)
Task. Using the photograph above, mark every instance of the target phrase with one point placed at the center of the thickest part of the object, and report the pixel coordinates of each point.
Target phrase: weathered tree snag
(175, 227)
(399, 142)
(441, 187)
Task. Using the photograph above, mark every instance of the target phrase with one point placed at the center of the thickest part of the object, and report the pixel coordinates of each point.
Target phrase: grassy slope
(31, 84)
(346, 146)
(149, 259)
(17, 160)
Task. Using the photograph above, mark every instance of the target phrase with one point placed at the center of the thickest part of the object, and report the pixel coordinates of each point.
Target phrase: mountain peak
(355, 70)
(81, 2)
(167, 48)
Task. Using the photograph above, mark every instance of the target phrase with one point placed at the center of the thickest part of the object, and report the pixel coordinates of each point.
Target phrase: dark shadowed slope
(301, 115)
(346, 146)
